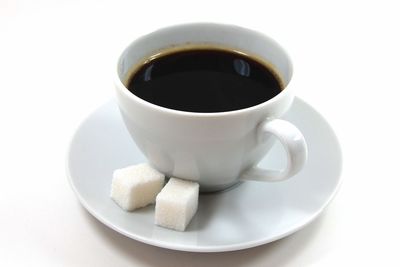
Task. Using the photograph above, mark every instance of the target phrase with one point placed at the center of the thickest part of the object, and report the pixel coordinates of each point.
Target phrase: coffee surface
(204, 80)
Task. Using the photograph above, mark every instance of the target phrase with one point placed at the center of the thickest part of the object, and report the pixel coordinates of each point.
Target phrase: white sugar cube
(136, 186)
(176, 204)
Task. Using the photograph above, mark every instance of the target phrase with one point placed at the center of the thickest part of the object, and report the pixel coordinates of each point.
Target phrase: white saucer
(248, 215)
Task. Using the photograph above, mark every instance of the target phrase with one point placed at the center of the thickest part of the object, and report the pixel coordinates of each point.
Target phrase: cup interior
(247, 41)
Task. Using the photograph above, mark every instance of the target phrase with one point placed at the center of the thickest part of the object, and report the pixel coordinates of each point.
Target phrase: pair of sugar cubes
(139, 185)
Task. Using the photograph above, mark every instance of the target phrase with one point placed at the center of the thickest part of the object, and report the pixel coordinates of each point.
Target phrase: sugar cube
(136, 186)
(176, 204)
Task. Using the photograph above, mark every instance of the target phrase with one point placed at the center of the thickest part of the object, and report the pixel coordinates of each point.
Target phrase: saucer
(248, 215)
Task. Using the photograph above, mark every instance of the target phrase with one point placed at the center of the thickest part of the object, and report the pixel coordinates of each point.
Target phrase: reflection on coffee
(204, 80)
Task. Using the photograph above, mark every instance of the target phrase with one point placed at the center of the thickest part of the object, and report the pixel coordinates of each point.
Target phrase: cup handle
(292, 140)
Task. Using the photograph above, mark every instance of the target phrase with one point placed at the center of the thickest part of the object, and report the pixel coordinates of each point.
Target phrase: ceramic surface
(248, 215)
(213, 149)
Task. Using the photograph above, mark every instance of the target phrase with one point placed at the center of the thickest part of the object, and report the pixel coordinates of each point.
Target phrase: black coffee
(204, 80)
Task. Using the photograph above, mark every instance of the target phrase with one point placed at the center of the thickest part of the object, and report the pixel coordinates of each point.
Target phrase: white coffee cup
(214, 149)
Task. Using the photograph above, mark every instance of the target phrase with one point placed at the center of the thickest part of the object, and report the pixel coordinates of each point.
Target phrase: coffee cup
(216, 148)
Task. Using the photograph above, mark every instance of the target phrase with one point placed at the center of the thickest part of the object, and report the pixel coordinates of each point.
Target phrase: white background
(56, 64)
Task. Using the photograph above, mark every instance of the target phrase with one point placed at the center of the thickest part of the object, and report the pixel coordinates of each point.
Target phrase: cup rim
(126, 93)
